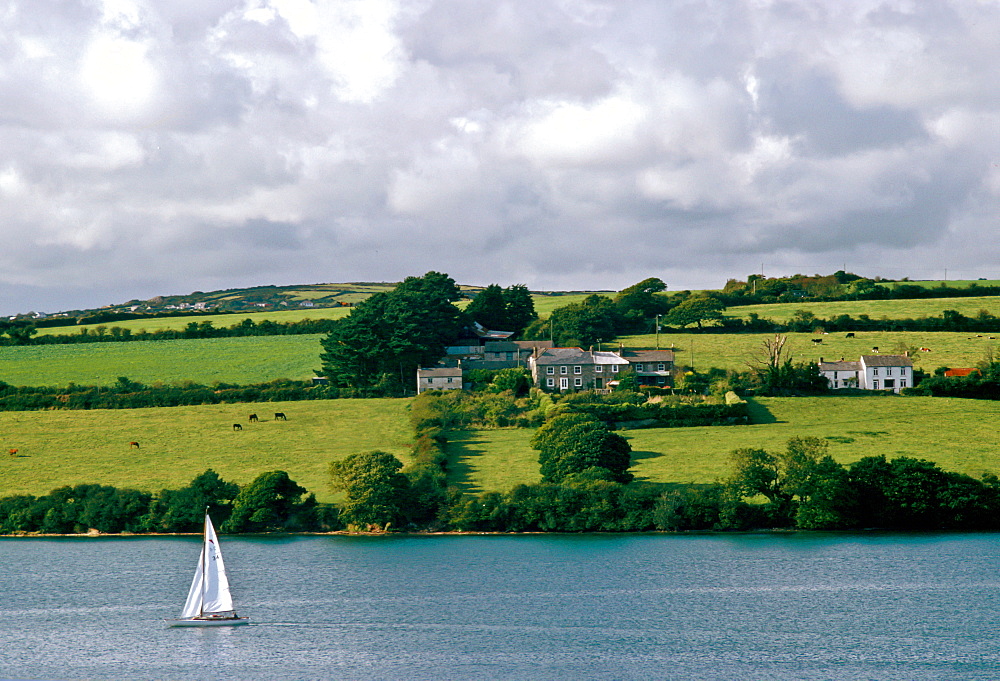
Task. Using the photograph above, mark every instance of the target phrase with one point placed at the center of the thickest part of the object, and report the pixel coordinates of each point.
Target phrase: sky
(161, 147)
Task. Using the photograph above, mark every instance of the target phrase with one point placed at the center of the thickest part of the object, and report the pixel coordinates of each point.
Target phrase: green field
(219, 321)
(958, 435)
(733, 351)
(57, 448)
(245, 360)
(876, 309)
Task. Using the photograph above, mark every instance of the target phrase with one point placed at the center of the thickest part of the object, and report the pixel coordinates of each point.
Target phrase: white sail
(209, 591)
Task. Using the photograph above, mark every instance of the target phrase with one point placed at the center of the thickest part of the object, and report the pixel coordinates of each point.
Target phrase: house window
(888, 372)
(577, 370)
(449, 379)
(598, 369)
(890, 383)
(510, 356)
(874, 372)
(614, 368)
(563, 383)
(430, 380)
(640, 367)
(874, 385)
(902, 383)
(661, 367)
(578, 382)
(564, 370)
(550, 383)
(550, 370)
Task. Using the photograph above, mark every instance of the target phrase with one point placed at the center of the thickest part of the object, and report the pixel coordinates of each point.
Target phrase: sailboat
(209, 602)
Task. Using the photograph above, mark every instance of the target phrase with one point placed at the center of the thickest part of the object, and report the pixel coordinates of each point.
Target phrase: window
(874, 385)
(550, 370)
(888, 372)
(430, 380)
(890, 383)
(578, 382)
(598, 369)
(661, 367)
(874, 372)
(614, 368)
(640, 367)
(902, 383)
(563, 383)
(564, 370)
(449, 379)
(510, 356)
(550, 383)
(578, 370)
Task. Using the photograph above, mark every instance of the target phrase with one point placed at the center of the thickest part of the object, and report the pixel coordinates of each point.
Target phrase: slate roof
(648, 355)
(839, 366)
(577, 356)
(439, 372)
(886, 361)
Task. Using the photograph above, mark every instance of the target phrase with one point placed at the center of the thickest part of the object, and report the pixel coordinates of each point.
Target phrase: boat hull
(209, 622)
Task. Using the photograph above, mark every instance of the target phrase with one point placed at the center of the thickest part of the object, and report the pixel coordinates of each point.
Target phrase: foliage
(270, 502)
(509, 309)
(384, 339)
(376, 491)
(183, 510)
(695, 311)
(576, 444)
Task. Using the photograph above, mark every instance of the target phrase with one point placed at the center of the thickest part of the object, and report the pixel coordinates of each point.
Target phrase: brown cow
(12, 452)
(133, 444)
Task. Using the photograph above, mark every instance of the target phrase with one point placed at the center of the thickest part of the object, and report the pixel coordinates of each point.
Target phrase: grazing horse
(133, 444)
(850, 335)
(279, 416)
(12, 452)
(875, 349)
(237, 426)
(252, 418)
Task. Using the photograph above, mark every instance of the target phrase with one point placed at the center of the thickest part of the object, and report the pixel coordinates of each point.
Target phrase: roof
(954, 373)
(839, 366)
(502, 346)
(577, 356)
(532, 344)
(439, 372)
(648, 355)
(886, 361)
(483, 332)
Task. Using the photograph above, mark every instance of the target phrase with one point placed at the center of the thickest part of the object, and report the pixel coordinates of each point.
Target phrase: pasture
(243, 360)
(733, 351)
(876, 309)
(57, 448)
(958, 435)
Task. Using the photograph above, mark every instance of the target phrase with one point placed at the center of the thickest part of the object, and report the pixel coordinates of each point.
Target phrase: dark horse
(252, 418)
(237, 426)
(279, 416)
(133, 444)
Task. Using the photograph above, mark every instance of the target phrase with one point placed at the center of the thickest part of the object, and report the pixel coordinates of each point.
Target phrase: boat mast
(204, 565)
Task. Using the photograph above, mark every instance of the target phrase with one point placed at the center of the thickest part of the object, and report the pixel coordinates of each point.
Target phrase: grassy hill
(69, 447)
(876, 309)
(958, 435)
(57, 448)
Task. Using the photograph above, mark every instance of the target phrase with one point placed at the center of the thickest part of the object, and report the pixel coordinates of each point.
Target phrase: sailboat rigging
(209, 601)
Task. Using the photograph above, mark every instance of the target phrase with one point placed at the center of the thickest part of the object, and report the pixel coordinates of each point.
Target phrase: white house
(871, 372)
(885, 372)
(439, 378)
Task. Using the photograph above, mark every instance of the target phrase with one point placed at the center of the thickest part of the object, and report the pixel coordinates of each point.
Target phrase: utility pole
(657, 332)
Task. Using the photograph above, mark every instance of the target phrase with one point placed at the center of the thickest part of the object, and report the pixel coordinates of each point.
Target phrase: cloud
(151, 147)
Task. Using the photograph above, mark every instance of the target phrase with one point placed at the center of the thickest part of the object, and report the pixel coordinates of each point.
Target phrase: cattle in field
(817, 340)
(849, 335)
(252, 418)
(925, 349)
(12, 452)
(237, 426)
(279, 416)
(133, 444)
(875, 349)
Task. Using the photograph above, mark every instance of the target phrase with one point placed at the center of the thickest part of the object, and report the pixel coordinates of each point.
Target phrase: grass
(734, 351)
(57, 448)
(219, 321)
(254, 359)
(876, 309)
(958, 435)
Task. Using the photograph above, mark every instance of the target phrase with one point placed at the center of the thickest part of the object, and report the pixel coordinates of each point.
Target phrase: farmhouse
(870, 372)
(575, 368)
(439, 378)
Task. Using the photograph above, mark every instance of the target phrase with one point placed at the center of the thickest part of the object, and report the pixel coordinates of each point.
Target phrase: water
(763, 606)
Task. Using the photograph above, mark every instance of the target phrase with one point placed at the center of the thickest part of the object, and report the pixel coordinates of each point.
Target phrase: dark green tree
(573, 444)
(377, 492)
(489, 308)
(580, 324)
(695, 311)
(268, 503)
(385, 338)
(520, 308)
(183, 510)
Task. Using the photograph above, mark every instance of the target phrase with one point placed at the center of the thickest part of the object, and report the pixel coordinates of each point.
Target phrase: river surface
(758, 606)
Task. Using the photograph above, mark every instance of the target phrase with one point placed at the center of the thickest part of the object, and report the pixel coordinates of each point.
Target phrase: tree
(640, 303)
(584, 323)
(183, 510)
(376, 490)
(385, 338)
(268, 503)
(519, 307)
(695, 311)
(489, 308)
(573, 444)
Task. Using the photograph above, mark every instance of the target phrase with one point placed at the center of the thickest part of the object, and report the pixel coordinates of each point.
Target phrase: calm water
(536, 607)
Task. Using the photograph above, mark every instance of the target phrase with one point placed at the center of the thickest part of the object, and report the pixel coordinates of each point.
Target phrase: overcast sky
(166, 146)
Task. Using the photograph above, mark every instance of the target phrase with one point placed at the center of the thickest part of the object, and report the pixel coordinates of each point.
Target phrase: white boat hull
(209, 622)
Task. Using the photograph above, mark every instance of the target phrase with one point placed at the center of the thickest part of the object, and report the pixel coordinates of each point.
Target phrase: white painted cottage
(871, 372)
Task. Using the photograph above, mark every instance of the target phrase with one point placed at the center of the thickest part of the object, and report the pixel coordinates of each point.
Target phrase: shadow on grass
(463, 449)
(759, 414)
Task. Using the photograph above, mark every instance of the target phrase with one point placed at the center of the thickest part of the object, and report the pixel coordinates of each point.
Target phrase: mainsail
(209, 591)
